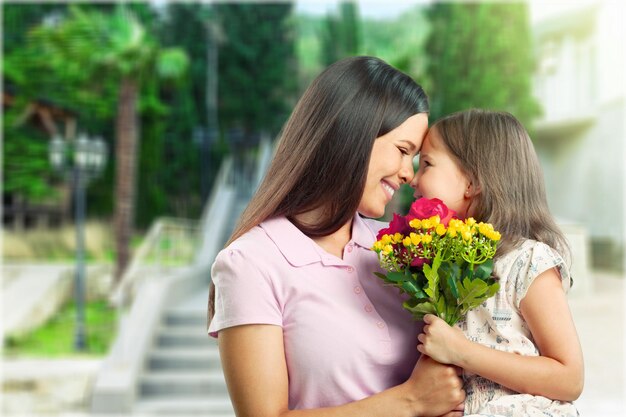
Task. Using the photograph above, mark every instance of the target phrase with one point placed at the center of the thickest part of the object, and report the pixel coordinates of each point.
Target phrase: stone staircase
(183, 375)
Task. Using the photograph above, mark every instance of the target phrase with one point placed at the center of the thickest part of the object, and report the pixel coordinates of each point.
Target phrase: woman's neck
(332, 243)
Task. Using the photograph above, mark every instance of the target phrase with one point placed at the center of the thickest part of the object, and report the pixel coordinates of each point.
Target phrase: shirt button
(349, 249)
(357, 290)
(350, 269)
(368, 308)
(380, 324)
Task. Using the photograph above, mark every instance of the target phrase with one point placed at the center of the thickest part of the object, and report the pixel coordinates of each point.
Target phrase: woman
(305, 328)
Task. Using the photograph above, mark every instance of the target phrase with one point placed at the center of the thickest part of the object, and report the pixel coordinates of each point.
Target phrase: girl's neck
(333, 243)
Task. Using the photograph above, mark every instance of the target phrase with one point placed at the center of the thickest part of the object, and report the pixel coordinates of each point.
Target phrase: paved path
(599, 319)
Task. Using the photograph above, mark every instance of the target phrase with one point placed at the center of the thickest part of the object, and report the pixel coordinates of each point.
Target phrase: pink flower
(424, 208)
(398, 224)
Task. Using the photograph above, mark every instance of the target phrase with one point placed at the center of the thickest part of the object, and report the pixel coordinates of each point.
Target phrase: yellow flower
(386, 239)
(470, 221)
(415, 238)
(495, 236)
(452, 231)
(456, 223)
(415, 223)
(397, 238)
(466, 234)
(434, 220)
(426, 224)
(441, 229)
(485, 228)
(406, 241)
(388, 249)
(427, 238)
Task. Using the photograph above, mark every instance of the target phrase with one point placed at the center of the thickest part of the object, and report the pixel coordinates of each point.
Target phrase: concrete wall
(581, 137)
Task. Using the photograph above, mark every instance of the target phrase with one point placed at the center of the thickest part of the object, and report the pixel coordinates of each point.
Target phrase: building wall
(581, 136)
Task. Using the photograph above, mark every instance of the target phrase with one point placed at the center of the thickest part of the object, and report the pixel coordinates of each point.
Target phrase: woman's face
(391, 164)
(439, 176)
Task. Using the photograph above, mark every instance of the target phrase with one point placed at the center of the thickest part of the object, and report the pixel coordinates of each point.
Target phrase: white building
(580, 138)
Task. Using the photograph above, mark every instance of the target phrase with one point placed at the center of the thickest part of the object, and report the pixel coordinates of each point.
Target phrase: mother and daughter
(305, 328)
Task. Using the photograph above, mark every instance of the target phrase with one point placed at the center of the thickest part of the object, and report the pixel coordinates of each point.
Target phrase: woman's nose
(406, 173)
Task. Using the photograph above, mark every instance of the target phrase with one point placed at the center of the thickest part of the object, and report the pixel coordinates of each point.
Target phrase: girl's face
(439, 176)
(391, 164)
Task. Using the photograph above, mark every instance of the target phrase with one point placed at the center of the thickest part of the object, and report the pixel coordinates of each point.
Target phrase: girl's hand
(440, 341)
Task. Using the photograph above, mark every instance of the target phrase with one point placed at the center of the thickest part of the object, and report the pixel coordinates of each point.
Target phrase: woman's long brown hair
(324, 150)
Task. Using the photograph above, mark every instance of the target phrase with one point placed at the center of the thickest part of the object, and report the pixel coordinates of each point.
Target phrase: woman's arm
(556, 374)
(254, 365)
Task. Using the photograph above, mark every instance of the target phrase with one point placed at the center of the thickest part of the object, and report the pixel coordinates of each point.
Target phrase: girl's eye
(403, 151)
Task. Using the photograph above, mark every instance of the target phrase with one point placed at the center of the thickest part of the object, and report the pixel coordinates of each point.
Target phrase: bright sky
(539, 9)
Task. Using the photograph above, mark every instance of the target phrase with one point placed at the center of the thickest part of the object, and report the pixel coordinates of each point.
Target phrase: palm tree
(116, 46)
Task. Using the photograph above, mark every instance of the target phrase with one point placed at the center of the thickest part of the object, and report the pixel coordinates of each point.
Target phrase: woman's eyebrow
(410, 145)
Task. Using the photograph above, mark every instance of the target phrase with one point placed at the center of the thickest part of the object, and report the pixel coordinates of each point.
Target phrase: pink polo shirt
(346, 335)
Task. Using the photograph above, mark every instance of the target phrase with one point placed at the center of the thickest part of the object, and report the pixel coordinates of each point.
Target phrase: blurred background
(134, 133)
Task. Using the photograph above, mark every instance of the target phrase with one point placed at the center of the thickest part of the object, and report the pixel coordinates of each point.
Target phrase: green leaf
(483, 271)
(421, 309)
(395, 276)
(412, 288)
(381, 276)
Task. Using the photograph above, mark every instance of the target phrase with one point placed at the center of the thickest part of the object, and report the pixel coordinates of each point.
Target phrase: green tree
(341, 37)
(480, 55)
(115, 46)
(257, 73)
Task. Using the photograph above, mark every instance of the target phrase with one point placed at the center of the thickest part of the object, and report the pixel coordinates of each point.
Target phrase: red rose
(419, 262)
(398, 224)
(424, 208)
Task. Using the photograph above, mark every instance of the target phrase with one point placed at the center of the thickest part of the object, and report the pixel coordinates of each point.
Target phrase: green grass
(56, 337)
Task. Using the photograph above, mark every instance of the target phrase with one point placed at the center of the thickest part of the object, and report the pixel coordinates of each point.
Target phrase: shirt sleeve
(536, 260)
(243, 294)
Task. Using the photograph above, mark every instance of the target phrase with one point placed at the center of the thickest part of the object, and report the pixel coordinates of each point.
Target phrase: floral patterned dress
(498, 324)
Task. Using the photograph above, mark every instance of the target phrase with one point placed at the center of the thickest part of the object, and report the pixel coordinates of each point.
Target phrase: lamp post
(80, 162)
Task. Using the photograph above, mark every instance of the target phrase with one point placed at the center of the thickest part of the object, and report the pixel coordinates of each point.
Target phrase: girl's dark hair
(494, 150)
(323, 154)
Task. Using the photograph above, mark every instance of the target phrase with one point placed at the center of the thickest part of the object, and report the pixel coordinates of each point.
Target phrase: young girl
(519, 350)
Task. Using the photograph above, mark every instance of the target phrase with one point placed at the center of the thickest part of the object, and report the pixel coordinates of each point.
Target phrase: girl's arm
(556, 374)
(253, 361)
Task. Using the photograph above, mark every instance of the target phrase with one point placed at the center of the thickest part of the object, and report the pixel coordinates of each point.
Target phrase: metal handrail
(170, 242)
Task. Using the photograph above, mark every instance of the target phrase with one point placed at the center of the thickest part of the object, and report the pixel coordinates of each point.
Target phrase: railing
(170, 243)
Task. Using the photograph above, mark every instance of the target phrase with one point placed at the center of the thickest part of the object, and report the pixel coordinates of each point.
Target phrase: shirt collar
(300, 250)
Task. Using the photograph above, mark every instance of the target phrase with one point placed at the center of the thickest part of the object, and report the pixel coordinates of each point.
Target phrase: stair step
(173, 337)
(176, 383)
(214, 407)
(184, 359)
(180, 316)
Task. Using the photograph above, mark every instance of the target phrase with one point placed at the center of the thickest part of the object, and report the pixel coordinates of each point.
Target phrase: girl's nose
(414, 180)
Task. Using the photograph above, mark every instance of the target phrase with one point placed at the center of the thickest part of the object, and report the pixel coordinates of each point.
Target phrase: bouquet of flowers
(443, 263)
